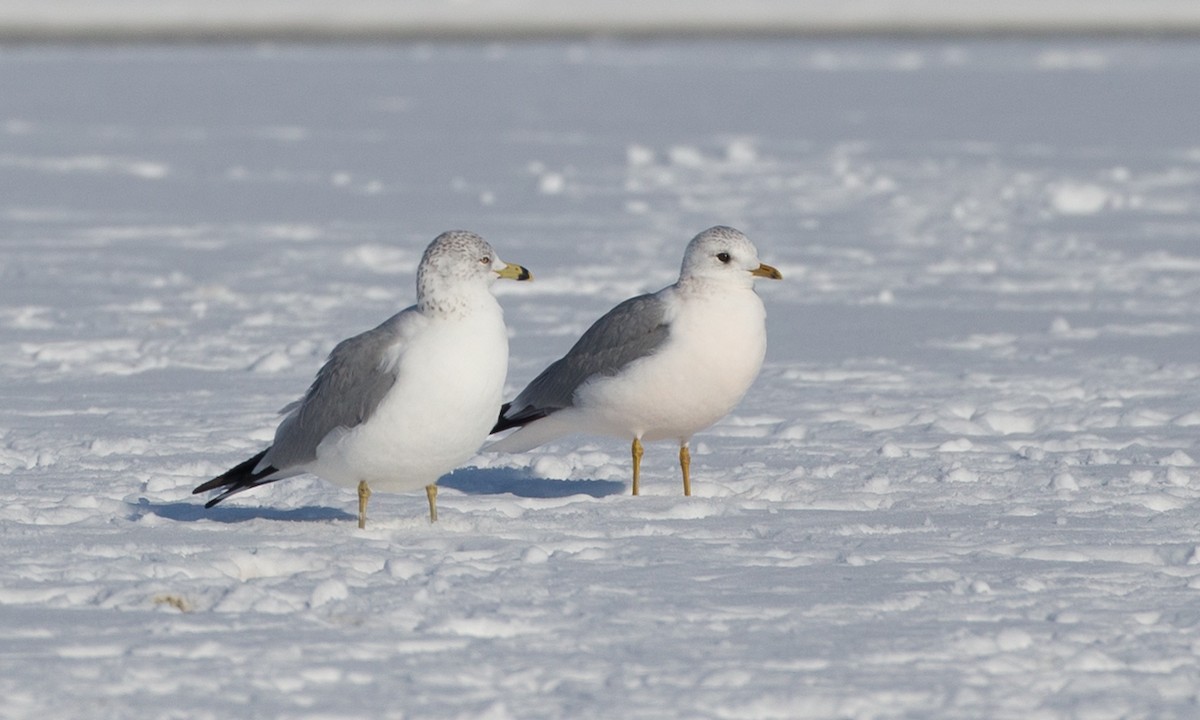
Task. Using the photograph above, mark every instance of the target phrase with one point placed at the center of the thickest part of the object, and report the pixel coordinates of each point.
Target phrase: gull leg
(637, 463)
(685, 464)
(431, 493)
(364, 494)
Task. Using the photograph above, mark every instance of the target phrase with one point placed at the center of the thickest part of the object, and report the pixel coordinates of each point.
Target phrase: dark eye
(485, 260)
(723, 257)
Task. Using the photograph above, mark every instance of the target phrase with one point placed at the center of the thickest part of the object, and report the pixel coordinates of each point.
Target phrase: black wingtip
(501, 421)
(237, 478)
(520, 419)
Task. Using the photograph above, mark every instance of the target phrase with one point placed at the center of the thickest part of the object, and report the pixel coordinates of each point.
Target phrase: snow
(963, 485)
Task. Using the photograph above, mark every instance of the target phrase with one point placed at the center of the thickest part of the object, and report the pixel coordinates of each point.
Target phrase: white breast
(444, 402)
(713, 355)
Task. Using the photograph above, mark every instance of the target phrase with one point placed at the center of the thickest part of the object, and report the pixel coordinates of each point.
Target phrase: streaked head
(459, 257)
(723, 253)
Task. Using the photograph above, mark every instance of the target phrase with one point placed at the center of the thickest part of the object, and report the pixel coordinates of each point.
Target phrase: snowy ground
(964, 485)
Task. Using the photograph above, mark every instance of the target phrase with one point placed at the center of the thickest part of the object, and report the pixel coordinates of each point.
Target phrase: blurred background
(163, 20)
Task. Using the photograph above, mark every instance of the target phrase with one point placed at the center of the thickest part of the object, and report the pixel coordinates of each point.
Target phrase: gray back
(346, 392)
(631, 330)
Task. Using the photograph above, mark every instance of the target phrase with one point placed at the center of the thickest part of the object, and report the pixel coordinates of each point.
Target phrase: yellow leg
(364, 494)
(431, 493)
(685, 464)
(637, 463)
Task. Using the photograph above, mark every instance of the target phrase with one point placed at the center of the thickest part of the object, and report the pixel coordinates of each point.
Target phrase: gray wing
(630, 331)
(347, 390)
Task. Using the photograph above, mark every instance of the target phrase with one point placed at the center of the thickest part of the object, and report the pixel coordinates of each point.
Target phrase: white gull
(397, 407)
(659, 366)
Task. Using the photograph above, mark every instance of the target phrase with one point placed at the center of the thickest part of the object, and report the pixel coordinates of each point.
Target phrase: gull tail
(520, 419)
(238, 478)
(534, 426)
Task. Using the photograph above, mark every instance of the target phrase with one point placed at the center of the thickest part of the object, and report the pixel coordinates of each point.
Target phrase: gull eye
(485, 260)
(724, 257)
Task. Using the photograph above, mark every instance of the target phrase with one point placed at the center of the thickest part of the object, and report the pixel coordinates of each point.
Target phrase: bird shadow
(194, 512)
(469, 481)
(522, 483)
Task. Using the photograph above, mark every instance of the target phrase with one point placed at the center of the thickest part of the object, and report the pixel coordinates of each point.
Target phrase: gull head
(455, 263)
(723, 254)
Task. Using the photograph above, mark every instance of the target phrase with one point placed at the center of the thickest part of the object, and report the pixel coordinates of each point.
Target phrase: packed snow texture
(963, 486)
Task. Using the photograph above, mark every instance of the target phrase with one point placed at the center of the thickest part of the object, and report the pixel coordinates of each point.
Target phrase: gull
(399, 406)
(659, 366)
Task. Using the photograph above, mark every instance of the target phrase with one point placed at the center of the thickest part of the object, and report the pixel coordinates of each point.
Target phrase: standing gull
(400, 405)
(659, 366)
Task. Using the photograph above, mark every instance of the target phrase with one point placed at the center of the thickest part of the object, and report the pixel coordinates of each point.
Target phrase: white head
(454, 265)
(723, 254)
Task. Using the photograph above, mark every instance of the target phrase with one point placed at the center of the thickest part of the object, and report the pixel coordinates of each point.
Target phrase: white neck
(460, 303)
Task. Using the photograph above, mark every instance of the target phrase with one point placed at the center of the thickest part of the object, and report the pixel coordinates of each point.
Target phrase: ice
(964, 484)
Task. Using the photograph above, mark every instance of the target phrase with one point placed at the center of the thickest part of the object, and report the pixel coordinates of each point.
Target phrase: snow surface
(964, 485)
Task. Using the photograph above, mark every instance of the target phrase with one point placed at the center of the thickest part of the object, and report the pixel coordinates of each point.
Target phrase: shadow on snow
(195, 511)
(469, 481)
(522, 483)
